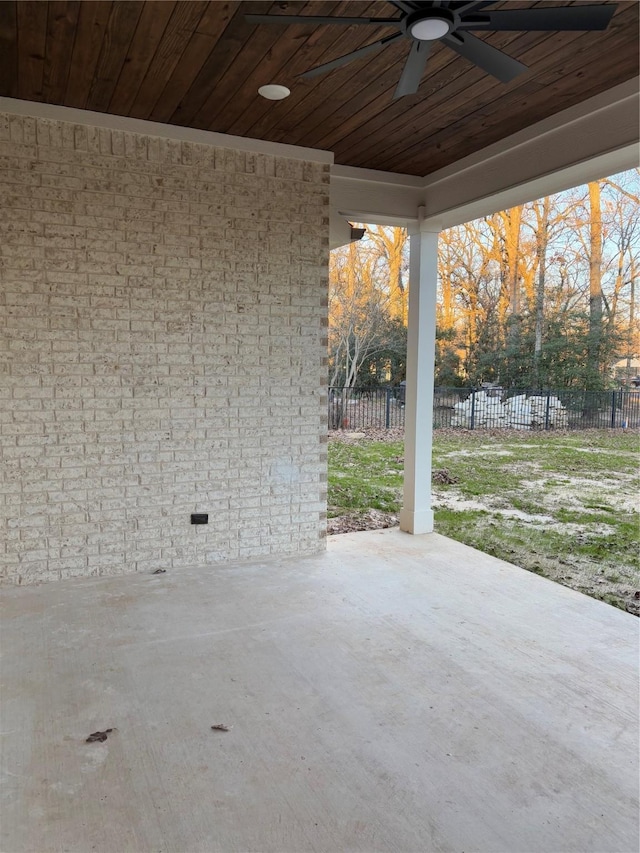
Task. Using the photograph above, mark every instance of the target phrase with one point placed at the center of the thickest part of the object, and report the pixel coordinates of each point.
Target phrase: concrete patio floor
(396, 693)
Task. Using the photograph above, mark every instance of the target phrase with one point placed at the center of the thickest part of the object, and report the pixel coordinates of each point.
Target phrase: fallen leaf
(159, 572)
(98, 736)
(220, 727)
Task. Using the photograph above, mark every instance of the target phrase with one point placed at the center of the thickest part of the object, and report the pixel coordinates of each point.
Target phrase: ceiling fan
(449, 21)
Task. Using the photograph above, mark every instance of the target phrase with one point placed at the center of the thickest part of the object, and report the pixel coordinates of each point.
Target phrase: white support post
(416, 515)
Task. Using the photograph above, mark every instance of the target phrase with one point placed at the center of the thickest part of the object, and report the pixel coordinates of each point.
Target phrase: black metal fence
(493, 408)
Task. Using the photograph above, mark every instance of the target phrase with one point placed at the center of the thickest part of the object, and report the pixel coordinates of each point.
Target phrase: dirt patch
(619, 492)
(457, 502)
(572, 492)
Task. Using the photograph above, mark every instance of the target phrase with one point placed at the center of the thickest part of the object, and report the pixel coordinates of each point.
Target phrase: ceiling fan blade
(315, 19)
(349, 57)
(584, 18)
(413, 69)
(489, 58)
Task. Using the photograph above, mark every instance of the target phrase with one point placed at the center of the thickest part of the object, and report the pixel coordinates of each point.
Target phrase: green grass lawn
(562, 505)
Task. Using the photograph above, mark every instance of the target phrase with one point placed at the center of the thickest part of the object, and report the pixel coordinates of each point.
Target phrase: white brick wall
(162, 352)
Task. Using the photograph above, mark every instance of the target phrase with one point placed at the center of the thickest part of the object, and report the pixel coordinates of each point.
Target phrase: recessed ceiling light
(274, 92)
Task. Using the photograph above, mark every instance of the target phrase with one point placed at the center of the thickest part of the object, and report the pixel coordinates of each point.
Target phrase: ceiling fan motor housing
(430, 25)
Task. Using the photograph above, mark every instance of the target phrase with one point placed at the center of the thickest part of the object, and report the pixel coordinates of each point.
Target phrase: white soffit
(165, 131)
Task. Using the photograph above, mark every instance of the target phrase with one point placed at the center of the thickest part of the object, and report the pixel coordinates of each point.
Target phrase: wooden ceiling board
(149, 31)
(447, 80)
(264, 47)
(378, 78)
(266, 69)
(376, 108)
(90, 28)
(336, 97)
(251, 52)
(121, 26)
(346, 107)
(183, 22)
(32, 41)
(201, 45)
(288, 119)
(199, 64)
(9, 48)
(226, 51)
(456, 107)
(364, 128)
(492, 127)
(61, 30)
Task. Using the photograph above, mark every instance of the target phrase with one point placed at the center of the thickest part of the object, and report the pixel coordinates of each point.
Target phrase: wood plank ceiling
(199, 64)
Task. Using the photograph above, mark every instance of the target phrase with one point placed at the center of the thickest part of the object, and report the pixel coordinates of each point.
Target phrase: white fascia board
(165, 131)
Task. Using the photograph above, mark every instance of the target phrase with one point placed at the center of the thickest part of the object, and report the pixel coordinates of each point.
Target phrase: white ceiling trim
(165, 131)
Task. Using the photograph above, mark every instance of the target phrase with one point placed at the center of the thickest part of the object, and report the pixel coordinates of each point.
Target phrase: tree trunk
(512, 220)
(391, 243)
(594, 347)
(541, 250)
(632, 348)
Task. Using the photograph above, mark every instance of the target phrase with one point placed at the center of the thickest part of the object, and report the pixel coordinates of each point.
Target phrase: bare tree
(358, 305)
